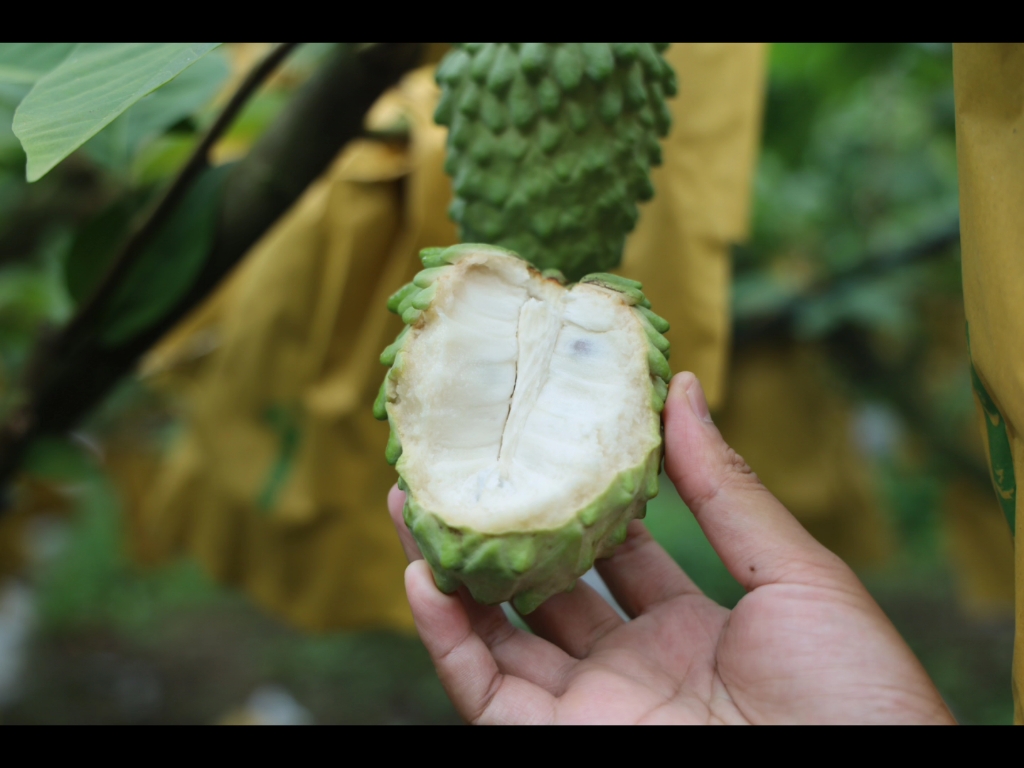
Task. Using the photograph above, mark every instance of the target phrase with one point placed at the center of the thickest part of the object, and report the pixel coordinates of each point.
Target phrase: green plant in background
(127, 288)
(44, 90)
(858, 165)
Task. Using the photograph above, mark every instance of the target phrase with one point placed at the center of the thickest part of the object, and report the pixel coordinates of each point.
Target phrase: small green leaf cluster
(90, 136)
(134, 112)
(550, 145)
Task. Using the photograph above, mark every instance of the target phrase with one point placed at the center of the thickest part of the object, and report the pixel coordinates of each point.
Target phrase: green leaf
(27, 62)
(88, 90)
(117, 144)
(169, 265)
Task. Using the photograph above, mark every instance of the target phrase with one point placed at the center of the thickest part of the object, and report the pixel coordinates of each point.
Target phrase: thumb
(757, 538)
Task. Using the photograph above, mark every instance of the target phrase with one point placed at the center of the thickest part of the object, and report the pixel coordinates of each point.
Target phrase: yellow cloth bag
(680, 249)
(278, 482)
(988, 81)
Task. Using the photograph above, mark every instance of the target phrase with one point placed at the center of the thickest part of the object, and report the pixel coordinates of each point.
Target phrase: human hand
(806, 644)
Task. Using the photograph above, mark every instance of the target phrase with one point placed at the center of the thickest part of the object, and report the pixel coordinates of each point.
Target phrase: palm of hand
(658, 668)
(691, 661)
(815, 648)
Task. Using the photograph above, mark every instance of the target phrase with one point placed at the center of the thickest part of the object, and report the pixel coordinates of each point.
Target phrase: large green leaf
(27, 62)
(116, 145)
(169, 265)
(88, 90)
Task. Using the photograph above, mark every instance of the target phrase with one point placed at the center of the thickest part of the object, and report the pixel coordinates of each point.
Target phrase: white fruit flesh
(520, 401)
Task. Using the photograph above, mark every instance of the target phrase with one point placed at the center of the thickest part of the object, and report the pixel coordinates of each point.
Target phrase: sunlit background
(848, 392)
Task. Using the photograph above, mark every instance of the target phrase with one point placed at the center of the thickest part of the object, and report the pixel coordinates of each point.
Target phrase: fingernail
(698, 403)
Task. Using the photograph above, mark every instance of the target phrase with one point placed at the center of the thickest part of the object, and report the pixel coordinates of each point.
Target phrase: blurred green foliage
(855, 240)
(858, 162)
(86, 576)
(58, 235)
(859, 153)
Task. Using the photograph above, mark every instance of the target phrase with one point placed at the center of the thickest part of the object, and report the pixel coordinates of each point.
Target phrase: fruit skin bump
(525, 566)
(550, 145)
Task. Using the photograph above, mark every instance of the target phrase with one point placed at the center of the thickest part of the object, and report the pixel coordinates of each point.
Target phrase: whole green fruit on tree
(525, 414)
(551, 144)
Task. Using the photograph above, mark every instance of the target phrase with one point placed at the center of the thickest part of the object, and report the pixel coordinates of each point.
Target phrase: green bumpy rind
(550, 145)
(526, 568)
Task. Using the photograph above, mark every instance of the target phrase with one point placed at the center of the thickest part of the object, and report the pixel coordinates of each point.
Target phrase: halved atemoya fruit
(525, 419)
